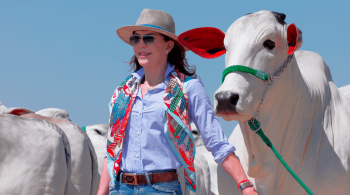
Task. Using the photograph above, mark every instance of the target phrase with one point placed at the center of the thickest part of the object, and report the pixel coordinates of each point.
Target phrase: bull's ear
(19, 111)
(207, 42)
(294, 38)
(300, 39)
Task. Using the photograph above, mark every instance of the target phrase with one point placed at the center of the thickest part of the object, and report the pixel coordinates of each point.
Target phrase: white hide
(97, 134)
(34, 157)
(84, 168)
(54, 113)
(304, 114)
(84, 176)
(346, 91)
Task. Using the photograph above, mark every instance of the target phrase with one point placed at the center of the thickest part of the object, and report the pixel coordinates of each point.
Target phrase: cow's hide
(98, 136)
(54, 113)
(85, 177)
(346, 91)
(34, 157)
(304, 114)
(84, 174)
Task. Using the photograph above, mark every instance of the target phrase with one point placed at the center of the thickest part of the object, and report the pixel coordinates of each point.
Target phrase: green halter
(253, 123)
(239, 68)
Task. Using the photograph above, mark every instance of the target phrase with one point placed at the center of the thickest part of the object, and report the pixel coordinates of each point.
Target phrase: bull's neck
(286, 107)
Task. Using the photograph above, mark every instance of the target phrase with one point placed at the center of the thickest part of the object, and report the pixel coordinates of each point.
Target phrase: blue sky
(66, 54)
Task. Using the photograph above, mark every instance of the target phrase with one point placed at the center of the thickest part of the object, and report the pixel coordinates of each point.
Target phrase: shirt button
(137, 155)
(138, 133)
(139, 113)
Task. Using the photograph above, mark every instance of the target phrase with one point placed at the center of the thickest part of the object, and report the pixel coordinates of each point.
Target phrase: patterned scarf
(176, 128)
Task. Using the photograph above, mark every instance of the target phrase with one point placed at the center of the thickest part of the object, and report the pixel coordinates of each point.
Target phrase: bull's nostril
(234, 99)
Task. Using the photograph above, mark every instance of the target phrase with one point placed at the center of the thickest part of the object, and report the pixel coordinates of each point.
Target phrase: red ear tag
(292, 38)
(207, 42)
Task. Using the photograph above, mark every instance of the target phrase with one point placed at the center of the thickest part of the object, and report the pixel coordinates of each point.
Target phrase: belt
(140, 178)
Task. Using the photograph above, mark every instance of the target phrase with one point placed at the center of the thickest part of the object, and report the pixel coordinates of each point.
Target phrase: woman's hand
(233, 167)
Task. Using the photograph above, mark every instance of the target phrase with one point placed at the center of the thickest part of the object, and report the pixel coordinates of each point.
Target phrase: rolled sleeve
(202, 114)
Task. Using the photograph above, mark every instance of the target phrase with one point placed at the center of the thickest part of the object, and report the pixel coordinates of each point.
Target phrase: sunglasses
(147, 39)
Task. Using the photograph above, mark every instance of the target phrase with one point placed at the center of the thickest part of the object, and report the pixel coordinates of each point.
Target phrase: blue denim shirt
(146, 147)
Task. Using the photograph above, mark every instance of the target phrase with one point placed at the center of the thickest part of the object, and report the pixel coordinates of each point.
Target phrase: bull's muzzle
(226, 102)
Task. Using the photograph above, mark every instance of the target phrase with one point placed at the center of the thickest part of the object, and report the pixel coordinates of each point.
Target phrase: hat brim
(126, 31)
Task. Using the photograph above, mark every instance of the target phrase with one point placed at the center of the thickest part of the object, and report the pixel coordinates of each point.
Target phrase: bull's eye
(269, 44)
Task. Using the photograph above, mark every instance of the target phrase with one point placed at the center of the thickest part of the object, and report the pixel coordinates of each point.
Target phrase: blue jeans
(165, 188)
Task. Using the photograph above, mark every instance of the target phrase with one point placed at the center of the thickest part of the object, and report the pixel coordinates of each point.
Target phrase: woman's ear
(170, 46)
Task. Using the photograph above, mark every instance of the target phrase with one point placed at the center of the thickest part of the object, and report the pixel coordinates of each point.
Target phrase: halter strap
(253, 123)
(239, 68)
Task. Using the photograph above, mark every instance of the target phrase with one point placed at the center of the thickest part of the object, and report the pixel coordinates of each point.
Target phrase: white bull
(54, 113)
(84, 167)
(98, 136)
(346, 91)
(304, 114)
(34, 156)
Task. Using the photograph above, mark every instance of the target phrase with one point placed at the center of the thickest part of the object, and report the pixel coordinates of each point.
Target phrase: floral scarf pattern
(176, 123)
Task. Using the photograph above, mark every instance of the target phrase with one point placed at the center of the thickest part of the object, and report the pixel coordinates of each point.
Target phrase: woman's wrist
(249, 190)
(244, 184)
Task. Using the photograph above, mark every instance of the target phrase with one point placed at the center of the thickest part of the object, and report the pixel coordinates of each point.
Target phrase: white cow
(346, 91)
(98, 136)
(34, 156)
(84, 173)
(304, 114)
(54, 113)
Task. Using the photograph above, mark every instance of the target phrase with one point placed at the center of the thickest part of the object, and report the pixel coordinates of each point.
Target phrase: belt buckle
(131, 178)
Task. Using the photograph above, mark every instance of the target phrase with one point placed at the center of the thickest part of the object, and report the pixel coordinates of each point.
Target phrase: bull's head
(261, 41)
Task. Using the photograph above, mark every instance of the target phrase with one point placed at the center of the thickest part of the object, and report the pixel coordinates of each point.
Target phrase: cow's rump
(35, 157)
(84, 175)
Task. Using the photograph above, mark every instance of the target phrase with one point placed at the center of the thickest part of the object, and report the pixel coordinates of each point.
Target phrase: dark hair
(176, 57)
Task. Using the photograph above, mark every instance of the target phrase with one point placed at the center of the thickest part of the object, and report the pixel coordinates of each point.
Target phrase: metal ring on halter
(252, 122)
(257, 129)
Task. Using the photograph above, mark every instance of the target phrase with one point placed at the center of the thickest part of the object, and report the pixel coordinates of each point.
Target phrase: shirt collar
(141, 73)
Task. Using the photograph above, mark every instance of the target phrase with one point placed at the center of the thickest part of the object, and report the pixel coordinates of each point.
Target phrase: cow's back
(327, 153)
(34, 157)
(346, 91)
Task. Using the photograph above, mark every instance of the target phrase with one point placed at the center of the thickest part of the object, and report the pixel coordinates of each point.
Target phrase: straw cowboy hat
(153, 20)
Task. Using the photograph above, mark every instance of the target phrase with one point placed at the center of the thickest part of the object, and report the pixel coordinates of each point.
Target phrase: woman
(150, 134)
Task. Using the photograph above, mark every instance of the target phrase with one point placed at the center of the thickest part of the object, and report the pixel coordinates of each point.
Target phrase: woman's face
(155, 54)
